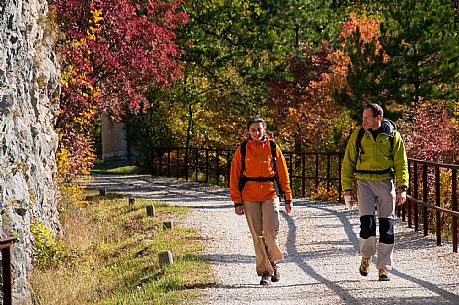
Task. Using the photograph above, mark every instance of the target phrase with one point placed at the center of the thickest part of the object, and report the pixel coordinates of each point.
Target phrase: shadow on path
(444, 296)
(302, 263)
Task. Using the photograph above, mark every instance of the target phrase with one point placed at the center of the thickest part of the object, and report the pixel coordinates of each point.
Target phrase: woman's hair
(256, 120)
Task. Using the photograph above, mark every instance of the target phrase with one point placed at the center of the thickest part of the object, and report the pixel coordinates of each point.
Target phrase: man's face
(369, 122)
(256, 131)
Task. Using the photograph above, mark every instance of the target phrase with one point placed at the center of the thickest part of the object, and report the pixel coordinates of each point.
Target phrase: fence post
(340, 186)
(425, 198)
(317, 171)
(437, 203)
(303, 173)
(160, 156)
(178, 163)
(328, 172)
(228, 163)
(454, 208)
(207, 165)
(416, 196)
(7, 278)
(152, 162)
(218, 167)
(410, 192)
(196, 160)
(168, 162)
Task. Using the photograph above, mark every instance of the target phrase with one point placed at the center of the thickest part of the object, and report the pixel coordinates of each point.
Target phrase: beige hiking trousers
(263, 221)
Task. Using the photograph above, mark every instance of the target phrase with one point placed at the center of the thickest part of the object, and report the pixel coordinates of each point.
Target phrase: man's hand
(348, 199)
(239, 210)
(401, 197)
(288, 206)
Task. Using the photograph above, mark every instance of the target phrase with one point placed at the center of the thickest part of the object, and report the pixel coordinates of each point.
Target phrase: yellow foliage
(66, 179)
(323, 194)
(48, 250)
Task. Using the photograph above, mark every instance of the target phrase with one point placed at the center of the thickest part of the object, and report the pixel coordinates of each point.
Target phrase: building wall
(114, 144)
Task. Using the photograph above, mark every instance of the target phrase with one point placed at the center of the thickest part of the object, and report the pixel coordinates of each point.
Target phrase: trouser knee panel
(367, 226)
(386, 230)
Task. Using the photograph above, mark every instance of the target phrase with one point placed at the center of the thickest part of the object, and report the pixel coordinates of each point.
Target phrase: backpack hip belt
(378, 172)
(244, 179)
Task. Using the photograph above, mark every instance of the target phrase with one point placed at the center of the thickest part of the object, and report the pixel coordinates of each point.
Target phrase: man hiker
(375, 155)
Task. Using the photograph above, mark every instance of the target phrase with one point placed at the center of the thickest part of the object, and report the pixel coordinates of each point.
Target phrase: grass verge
(113, 257)
(117, 168)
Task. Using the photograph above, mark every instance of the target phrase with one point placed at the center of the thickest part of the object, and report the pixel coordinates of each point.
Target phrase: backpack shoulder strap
(358, 143)
(391, 141)
(243, 151)
(272, 144)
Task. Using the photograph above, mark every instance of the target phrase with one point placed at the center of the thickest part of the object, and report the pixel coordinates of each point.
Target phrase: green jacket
(376, 156)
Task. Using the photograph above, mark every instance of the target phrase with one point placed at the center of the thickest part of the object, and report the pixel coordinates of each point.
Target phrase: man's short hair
(375, 109)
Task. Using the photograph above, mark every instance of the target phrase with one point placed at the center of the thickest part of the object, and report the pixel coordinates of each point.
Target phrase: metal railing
(7, 278)
(432, 200)
(309, 171)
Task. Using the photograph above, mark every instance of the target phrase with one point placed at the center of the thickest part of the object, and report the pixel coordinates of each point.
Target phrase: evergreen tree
(421, 39)
(416, 56)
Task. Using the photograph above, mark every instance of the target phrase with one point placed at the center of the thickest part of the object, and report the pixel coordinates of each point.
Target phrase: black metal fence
(307, 171)
(432, 195)
(432, 200)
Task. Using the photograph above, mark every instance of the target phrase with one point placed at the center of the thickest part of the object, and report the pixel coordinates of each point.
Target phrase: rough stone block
(150, 210)
(165, 258)
(167, 225)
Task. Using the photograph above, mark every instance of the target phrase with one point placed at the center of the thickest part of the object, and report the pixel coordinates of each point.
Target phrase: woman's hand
(288, 206)
(239, 210)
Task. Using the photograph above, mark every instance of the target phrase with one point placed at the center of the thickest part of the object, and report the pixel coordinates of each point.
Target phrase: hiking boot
(365, 266)
(265, 279)
(276, 275)
(383, 275)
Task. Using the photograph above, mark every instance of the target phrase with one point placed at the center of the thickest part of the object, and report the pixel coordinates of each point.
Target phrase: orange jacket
(258, 163)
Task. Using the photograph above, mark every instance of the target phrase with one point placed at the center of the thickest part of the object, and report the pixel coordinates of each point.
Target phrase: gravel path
(320, 245)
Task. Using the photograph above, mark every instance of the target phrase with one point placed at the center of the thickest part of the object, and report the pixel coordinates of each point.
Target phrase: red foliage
(431, 134)
(111, 51)
(298, 107)
(134, 48)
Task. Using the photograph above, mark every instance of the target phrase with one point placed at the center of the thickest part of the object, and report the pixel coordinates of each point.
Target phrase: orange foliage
(304, 109)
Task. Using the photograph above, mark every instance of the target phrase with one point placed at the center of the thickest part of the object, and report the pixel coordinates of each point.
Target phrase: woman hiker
(257, 170)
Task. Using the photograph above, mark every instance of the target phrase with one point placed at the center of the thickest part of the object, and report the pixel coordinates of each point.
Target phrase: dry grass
(115, 257)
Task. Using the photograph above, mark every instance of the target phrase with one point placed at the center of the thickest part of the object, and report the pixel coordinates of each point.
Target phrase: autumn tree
(305, 106)
(112, 52)
(431, 134)
(233, 50)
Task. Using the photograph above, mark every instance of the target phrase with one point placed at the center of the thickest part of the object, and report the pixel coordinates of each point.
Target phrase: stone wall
(29, 91)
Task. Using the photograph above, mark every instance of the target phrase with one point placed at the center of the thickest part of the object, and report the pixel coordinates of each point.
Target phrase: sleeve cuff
(239, 204)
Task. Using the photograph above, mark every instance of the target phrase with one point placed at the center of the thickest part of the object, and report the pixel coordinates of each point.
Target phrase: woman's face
(256, 131)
